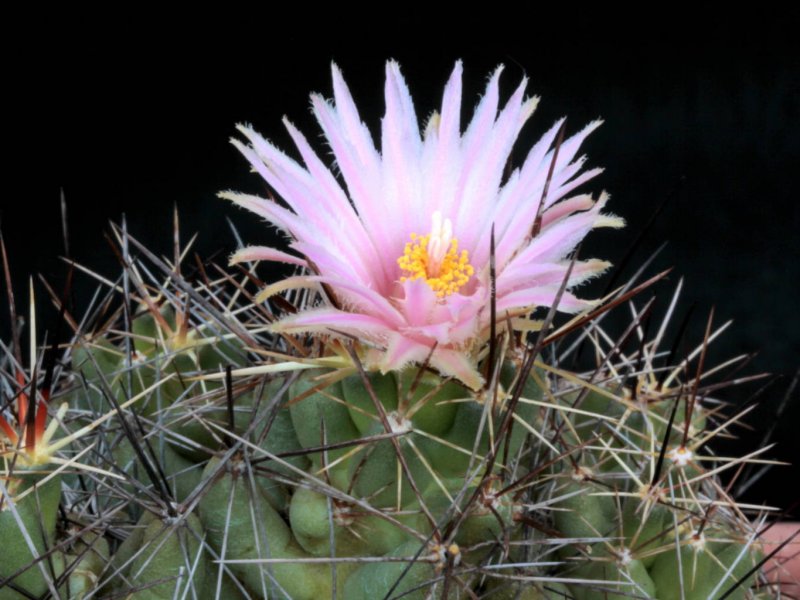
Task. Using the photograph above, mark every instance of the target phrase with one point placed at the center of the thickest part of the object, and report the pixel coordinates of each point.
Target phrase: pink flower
(401, 238)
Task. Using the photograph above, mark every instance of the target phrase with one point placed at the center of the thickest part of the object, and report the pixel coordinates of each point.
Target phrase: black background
(134, 116)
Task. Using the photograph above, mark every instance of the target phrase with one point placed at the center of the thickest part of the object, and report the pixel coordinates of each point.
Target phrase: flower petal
(457, 364)
(331, 321)
(254, 253)
(547, 274)
(401, 351)
(542, 296)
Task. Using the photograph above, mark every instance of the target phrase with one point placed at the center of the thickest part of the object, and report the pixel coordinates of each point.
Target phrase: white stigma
(438, 242)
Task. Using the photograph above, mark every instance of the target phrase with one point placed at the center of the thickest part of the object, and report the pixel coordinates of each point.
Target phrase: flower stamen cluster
(435, 259)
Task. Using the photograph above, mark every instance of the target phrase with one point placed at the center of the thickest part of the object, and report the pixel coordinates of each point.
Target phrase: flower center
(435, 258)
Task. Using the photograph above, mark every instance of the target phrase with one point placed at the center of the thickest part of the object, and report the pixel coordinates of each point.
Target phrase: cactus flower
(36, 437)
(400, 237)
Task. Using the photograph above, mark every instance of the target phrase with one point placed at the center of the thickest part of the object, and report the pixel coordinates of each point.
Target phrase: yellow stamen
(435, 258)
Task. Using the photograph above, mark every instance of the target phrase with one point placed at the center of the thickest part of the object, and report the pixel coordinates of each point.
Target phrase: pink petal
(459, 365)
(566, 207)
(418, 301)
(541, 296)
(537, 274)
(513, 228)
(366, 299)
(401, 351)
(358, 164)
(482, 122)
(336, 258)
(331, 321)
(295, 185)
(401, 149)
(559, 239)
(352, 128)
(442, 154)
(484, 177)
(254, 253)
(349, 222)
(449, 132)
(269, 210)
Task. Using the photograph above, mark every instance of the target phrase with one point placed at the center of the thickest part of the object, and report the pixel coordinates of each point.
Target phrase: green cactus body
(596, 404)
(122, 558)
(183, 476)
(37, 512)
(662, 407)
(279, 438)
(148, 369)
(380, 536)
(374, 580)
(311, 413)
(645, 527)
(237, 521)
(498, 589)
(306, 581)
(89, 360)
(703, 570)
(204, 420)
(356, 533)
(240, 520)
(433, 405)
(483, 524)
(200, 425)
(150, 363)
(453, 457)
(375, 472)
(359, 402)
(430, 408)
(171, 554)
(630, 579)
(485, 519)
(228, 588)
(165, 352)
(215, 353)
(583, 514)
(86, 564)
(147, 334)
(311, 523)
(268, 537)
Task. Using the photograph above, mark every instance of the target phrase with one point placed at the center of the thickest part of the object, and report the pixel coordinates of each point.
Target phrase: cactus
(203, 452)
(318, 481)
